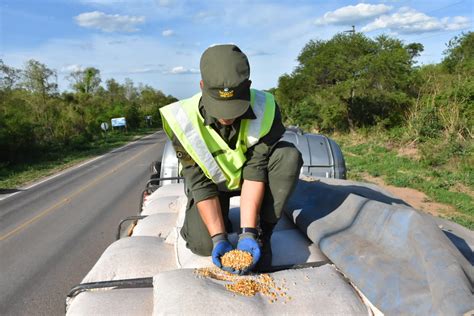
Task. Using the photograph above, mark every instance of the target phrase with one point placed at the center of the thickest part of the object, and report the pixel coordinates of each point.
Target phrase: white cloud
(456, 23)
(407, 20)
(161, 3)
(167, 33)
(109, 22)
(180, 70)
(353, 13)
(137, 56)
(206, 16)
(153, 10)
(151, 64)
(71, 68)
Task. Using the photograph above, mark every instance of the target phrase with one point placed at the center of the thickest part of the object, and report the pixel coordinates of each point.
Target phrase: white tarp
(156, 225)
(126, 302)
(321, 290)
(132, 257)
(176, 189)
(164, 204)
(289, 247)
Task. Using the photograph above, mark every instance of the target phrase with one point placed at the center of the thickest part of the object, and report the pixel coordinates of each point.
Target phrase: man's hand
(248, 242)
(221, 247)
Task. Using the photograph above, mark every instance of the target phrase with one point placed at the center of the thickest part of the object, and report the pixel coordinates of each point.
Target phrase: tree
(132, 114)
(151, 101)
(9, 76)
(459, 54)
(114, 91)
(414, 50)
(131, 92)
(35, 120)
(85, 81)
(41, 82)
(39, 79)
(367, 80)
(17, 134)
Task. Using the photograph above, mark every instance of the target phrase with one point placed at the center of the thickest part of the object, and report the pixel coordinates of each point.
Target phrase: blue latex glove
(248, 242)
(221, 247)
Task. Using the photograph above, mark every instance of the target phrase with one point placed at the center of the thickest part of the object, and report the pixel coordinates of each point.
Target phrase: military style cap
(225, 73)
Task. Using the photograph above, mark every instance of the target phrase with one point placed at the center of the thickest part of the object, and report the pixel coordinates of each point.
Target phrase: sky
(160, 42)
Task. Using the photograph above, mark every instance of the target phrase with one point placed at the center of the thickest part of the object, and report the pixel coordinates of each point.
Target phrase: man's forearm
(211, 214)
(250, 202)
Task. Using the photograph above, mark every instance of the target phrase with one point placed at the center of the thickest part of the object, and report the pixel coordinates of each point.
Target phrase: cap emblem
(226, 93)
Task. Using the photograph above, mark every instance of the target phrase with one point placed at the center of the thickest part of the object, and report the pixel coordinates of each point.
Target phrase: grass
(56, 159)
(449, 182)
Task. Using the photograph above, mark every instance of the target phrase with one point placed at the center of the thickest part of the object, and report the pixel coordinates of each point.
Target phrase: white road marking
(73, 168)
(63, 172)
(69, 198)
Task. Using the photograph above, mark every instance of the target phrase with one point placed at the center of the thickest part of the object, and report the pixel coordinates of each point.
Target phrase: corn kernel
(245, 285)
(237, 259)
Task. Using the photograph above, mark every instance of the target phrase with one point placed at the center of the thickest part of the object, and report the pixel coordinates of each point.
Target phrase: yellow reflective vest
(217, 160)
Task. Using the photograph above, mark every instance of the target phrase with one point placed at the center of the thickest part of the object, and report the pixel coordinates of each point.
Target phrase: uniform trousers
(284, 166)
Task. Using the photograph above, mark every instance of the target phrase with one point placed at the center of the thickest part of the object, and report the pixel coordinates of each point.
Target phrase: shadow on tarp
(288, 247)
(462, 245)
(321, 199)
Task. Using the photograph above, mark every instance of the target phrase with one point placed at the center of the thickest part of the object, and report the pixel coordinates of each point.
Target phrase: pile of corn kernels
(237, 259)
(248, 285)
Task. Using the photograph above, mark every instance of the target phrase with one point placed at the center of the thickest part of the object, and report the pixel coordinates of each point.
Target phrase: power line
(447, 6)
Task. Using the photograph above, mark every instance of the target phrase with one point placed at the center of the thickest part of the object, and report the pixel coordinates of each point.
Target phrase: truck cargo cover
(397, 256)
(310, 291)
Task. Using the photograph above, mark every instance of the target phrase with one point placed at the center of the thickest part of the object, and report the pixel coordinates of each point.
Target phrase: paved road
(51, 234)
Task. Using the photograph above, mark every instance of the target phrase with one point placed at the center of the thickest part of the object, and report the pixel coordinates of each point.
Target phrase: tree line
(348, 82)
(35, 117)
(351, 81)
(375, 86)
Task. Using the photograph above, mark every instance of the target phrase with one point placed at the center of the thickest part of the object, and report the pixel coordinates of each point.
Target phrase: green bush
(350, 81)
(437, 152)
(35, 118)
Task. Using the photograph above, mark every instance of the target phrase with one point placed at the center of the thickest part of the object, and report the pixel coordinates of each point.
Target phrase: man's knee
(204, 250)
(195, 233)
(286, 158)
(199, 244)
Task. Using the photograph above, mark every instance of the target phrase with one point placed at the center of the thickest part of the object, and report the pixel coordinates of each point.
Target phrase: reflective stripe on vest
(198, 144)
(215, 158)
(253, 133)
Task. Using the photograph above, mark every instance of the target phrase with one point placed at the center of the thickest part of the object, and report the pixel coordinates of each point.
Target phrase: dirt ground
(416, 199)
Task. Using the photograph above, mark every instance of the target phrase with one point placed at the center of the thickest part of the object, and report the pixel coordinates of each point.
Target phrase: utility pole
(351, 31)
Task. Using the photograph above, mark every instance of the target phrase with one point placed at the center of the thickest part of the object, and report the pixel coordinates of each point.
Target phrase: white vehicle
(341, 248)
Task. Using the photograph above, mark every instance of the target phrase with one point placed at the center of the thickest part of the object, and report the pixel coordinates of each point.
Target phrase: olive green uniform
(275, 162)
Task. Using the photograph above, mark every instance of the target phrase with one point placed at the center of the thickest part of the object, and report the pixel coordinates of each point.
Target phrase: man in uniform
(227, 139)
